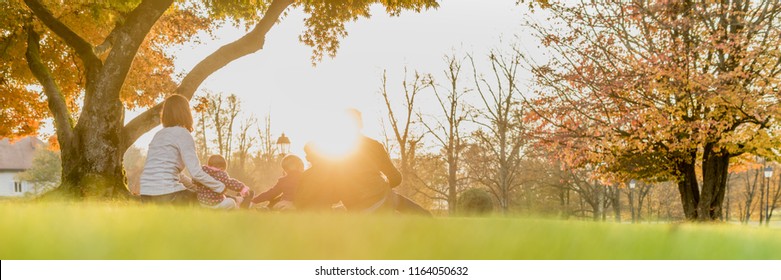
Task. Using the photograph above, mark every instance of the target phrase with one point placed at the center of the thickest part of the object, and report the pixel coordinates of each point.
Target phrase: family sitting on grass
(361, 180)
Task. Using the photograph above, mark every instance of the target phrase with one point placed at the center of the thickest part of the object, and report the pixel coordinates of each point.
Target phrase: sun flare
(337, 135)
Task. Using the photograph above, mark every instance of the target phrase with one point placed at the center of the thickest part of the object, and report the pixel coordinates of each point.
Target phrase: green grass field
(110, 231)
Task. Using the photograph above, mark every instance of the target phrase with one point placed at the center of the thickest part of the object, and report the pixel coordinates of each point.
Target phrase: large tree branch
(106, 82)
(127, 38)
(249, 43)
(108, 42)
(106, 45)
(82, 47)
(54, 98)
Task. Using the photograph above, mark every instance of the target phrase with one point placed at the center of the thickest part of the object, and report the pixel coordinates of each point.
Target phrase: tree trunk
(727, 207)
(649, 210)
(562, 202)
(603, 203)
(617, 204)
(687, 186)
(93, 172)
(767, 202)
(639, 211)
(714, 174)
(596, 204)
(92, 161)
(595, 212)
(452, 192)
(92, 158)
(776, 195)
(750, 193)
(642, 194)
(566, 204)
(632, 206)
(761, 201)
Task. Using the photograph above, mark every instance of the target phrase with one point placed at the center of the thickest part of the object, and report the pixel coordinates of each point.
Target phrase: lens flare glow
(337, 136)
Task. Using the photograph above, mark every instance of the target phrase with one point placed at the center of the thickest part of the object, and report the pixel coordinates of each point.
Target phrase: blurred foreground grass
(112, 231)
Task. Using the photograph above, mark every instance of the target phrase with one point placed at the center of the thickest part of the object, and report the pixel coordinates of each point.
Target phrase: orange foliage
(634, 88)
(23, 106)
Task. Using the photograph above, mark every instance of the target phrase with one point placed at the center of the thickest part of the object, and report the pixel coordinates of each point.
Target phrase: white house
(16, 157)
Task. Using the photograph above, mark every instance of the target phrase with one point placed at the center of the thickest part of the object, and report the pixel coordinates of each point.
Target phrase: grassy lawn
(107, 231)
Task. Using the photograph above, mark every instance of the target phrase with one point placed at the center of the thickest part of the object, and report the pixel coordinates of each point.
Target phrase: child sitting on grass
(285, 189)
(215, 167)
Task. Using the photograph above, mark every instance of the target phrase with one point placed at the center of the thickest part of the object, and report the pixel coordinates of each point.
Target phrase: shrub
(475, 201)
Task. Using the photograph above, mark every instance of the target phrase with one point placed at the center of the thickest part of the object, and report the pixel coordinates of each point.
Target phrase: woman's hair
(176, 112)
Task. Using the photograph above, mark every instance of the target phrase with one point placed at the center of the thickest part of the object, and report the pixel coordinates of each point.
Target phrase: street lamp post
(283, 145)
(768, 174)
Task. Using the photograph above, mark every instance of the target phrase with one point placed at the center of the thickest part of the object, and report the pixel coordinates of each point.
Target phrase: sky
(280, 80)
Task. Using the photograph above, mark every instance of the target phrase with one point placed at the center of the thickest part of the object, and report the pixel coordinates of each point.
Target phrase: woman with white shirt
(171, 150)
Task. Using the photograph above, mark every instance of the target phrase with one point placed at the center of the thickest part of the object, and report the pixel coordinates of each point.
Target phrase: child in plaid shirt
(215, 167)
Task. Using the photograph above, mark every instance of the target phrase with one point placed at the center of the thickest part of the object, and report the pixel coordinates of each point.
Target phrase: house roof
(18, 155)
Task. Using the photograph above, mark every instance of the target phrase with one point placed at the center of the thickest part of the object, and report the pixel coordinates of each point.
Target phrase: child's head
(217, 161)
(292, 164)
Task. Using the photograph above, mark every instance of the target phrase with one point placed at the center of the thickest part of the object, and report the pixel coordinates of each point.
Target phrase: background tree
(591, 191)
(698, 71)
(745, 186)
(201, 127)
(402, 123)
(501, 131)
(267, 160)
(746, 195)
(475, 201)
(251, 151)
(242, 154)
(445, 128)
(44, 175)
(615, 202)
(220, 113)
(774, 193)
(636, 197)
(554, 178)
(669, 205)
(429, 186)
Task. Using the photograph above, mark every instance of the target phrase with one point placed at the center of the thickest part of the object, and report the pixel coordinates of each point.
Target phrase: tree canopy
(650, 90)
(152, 73)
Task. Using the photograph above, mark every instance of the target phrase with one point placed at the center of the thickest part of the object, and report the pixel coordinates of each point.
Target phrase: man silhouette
(366, 176)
